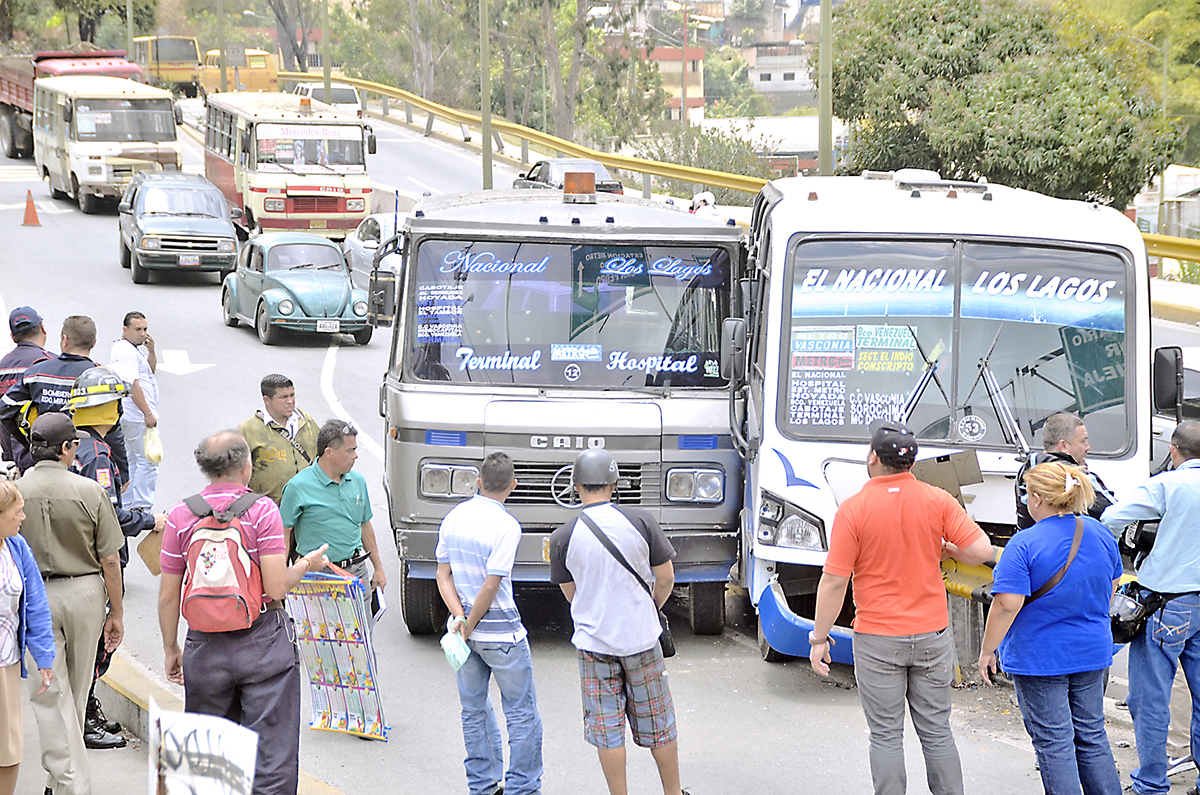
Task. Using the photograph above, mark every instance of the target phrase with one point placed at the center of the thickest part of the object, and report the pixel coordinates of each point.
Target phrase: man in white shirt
(477, 544)
(139, 411)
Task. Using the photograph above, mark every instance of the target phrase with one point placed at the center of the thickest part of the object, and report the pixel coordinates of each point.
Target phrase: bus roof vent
(916, 175)
(877, 175)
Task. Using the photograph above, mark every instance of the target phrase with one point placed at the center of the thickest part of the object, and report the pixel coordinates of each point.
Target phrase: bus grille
(638, 484)
(316, 204)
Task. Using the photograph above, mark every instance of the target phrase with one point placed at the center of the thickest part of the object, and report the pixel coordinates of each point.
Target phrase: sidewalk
(122, 771)
(1178, 301)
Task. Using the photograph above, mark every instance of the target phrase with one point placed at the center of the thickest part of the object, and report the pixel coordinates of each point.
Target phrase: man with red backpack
(224, 562)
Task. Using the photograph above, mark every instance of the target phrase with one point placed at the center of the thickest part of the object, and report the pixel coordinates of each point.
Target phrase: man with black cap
(75, 537)
(29, 333)
(891, 538)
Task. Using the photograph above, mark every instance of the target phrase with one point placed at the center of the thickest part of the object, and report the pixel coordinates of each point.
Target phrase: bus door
(242, 146)
(63, 133)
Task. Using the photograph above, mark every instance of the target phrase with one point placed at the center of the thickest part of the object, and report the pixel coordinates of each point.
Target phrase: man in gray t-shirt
(616, 623)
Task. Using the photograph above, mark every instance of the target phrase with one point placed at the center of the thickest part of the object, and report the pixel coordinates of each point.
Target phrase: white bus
(972, 312)
(91, 134)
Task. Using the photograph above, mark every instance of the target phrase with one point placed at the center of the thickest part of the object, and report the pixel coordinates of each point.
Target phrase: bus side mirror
(1168, 381)
(370, 142)
(381, 298)
(67, 112)
(733, 348)
(178, 114)
(246, 141)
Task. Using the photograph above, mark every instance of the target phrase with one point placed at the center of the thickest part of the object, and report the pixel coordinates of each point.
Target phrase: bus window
(284, 147)
(117, 120)
(173, 50)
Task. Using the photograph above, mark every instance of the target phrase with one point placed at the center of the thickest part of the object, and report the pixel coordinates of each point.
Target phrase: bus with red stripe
(289, 162)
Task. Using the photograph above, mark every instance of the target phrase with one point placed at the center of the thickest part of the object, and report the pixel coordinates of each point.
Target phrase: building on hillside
(671, 65)
(791, 142)
(781, 71)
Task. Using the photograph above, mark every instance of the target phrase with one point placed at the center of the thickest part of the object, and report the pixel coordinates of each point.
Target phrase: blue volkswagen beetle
(297, 282)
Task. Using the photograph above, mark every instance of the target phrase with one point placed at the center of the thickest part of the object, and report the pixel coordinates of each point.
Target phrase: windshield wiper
(1008, 422)
(929, 373)
(303, 265)
(327, 267)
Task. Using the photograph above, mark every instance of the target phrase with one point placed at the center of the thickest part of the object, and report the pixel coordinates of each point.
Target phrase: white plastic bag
(457, 650)
(152, 446)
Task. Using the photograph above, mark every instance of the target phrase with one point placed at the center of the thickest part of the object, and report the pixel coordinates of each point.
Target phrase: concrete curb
(126, 690)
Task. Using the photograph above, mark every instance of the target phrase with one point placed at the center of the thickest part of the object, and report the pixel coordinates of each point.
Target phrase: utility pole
(224, 42)
(683, 51)
(325, 49)
(825, 73)
(485, 95)
(129, 29)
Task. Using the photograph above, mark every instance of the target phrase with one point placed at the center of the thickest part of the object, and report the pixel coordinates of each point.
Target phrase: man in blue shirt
(1172, 635)
(477, 544)
(327, 503)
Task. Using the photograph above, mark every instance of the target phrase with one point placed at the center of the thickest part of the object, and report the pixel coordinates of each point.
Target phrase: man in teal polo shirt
(327, 503)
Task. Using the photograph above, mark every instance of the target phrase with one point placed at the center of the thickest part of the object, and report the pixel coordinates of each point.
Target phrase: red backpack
(222, 585)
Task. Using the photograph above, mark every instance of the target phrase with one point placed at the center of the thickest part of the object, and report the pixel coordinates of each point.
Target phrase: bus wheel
(764, 648)
(55, 193)
(421, 605)
(707, 608)
(8, 138)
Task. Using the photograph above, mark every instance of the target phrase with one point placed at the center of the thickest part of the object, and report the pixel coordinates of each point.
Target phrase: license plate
(546, 549)
(316, 223)
(329, 325)
(189, 259)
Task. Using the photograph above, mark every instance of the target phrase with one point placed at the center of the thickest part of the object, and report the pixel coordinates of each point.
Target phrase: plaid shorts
(614, 687)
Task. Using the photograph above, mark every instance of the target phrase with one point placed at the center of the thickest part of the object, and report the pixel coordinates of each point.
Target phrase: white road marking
(422, 185)
(179, 363)
(372, 446)
(42, 207)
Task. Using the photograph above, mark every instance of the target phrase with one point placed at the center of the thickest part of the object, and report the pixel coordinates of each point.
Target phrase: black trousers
(252, 677)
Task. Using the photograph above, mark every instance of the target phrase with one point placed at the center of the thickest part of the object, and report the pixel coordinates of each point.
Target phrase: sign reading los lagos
(931, 280)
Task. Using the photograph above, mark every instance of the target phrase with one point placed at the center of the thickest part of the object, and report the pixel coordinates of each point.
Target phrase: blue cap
(23, 318)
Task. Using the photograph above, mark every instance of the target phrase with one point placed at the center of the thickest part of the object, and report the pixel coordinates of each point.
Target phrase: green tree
(711, 149)
(1049, 99)
(727, 84)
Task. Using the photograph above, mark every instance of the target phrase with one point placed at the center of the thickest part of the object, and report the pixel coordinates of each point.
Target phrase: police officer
(1066, 440)
(95, 401)
(46, 386)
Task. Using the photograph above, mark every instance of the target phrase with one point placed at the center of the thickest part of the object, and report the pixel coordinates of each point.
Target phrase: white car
(344, 96)
(361, 244)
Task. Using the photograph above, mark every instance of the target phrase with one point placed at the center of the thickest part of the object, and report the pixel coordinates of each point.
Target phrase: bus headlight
(356, 205)
(151, 242)
(695, 485)
(226, 246)
(783, 524)
(286, 307)
(360, 308)
(274, 205)
(445, 480)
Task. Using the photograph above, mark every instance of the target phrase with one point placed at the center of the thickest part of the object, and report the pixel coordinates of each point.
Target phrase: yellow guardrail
(701, 176)
(1156, 245)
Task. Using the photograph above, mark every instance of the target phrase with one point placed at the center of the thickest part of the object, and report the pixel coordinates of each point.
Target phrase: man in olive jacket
(282, 438)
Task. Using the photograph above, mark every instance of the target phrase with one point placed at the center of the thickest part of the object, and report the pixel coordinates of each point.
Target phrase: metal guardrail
(699, 176)
(1156, 245)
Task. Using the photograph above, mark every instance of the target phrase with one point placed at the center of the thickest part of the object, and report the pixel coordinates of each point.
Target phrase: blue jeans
(512, 667)
(1065, 717)
(143, 476)
(917, 669)
(1172, 637)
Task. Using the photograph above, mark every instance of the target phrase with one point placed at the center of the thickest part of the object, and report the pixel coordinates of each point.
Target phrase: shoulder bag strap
(616, 553)
(293, 442)
(1058, 575)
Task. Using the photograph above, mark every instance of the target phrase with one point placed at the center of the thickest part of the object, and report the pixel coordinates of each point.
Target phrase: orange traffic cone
(31, 216)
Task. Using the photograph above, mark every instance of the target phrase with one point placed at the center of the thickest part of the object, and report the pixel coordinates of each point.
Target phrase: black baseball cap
(23, 318)
(893, 442)
(54, 428)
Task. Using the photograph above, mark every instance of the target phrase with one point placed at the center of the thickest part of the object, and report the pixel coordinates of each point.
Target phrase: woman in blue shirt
(1058, 647)
(24, 624)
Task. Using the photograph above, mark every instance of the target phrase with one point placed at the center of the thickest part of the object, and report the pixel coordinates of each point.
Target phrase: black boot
(97, 721)
(101, 740)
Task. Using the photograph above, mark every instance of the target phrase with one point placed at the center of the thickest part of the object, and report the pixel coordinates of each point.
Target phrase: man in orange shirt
(891, 537)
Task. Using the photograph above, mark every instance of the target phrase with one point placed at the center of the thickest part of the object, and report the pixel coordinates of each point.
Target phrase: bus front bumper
(787, 632)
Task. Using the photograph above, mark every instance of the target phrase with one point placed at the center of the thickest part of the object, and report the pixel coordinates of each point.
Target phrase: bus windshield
(579, 316)
(121, 120)
(956, 337)
(311, 148)
(176, 51)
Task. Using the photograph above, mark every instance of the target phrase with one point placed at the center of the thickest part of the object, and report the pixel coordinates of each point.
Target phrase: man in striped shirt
(477, 544)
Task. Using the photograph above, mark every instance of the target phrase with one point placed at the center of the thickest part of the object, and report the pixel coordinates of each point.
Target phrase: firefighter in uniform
(95, 402)
(46, 386)
(29, 333)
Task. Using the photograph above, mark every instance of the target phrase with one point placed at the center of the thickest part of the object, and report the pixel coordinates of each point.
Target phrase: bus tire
(707, 607)
(136, 272)
(55, 193)
(88, 203)
(764, 648)
(421, 605)
(8, 136)
(268, 333)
